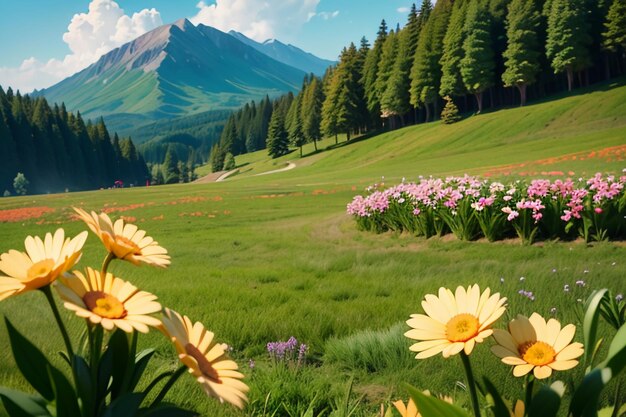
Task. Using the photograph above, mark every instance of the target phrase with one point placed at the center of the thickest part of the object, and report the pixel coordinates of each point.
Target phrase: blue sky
(44, 41)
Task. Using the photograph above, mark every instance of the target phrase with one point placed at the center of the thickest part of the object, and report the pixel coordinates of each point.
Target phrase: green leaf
(19, 404)
(498, 406)
(65, 396)
(118, 345)
(168, 411)
(140, 366)
(618, 343)
(590, 322)
(105, 369)
(545, 403)
(84, 385)
(126, 405)
(585, 399)
(31, 362)
(433, 407)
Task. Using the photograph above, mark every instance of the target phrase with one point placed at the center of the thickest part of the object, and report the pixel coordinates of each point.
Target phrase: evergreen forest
(55, 150)
(475, 55)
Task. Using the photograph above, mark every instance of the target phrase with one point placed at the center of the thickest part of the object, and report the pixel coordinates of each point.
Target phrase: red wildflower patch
(122, 208)
(21, 214)
(610, 154)
(189, 199)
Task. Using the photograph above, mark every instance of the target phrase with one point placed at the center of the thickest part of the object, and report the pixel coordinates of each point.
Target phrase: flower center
(104, 305)
(129, 246)
(203, 364)
(462, 327)
(40, 269)
(537, 353)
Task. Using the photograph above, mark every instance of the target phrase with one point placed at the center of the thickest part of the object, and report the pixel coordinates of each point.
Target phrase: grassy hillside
(262, 258)
(549, 136)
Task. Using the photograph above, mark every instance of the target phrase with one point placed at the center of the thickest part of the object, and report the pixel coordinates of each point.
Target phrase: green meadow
(260, 258)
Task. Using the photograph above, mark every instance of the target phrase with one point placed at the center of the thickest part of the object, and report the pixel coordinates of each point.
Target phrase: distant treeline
(478, 53)
(56, 151)
(191, 136)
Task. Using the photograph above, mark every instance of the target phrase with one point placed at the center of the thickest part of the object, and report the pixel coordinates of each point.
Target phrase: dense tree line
(475, 54)
(56, 150)
(192, 136)
(245, 131)
(178, 166)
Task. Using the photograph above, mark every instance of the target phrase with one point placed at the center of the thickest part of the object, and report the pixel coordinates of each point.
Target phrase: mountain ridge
(288, 54)
(173, 70)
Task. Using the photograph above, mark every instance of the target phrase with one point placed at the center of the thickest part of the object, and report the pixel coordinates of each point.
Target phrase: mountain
(173, 70)
(287, 54)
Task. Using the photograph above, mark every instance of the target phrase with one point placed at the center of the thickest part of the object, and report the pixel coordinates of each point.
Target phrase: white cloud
(259, 20)
(89, 35)
(403, 9)
(328, 15)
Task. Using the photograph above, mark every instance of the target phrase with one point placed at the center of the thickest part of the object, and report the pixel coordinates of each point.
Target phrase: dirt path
(222, 175)
(290, 165)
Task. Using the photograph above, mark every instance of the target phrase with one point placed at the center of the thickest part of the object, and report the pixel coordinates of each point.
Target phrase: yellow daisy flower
(42, 263)
(125, 241)
(519, 410)
(531, 344)
(205, 358)
(109, 301)
(454, 322)
(408, 410)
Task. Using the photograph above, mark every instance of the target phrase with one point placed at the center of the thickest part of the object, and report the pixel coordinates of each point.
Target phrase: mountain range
(181, 69)
(287, 54)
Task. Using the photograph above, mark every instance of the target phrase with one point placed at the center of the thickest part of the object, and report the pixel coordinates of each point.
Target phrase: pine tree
(426, 69)
(20, 184)
(450, 113)
(229, 162)
(614, 38)
(216, 158)
(23, 135)
(451, 80)
(385, 66)
(170, 167)
(293, 120)
(477, 65)
(329, 125)
(344, 106)
(228, 139)
(8, 152)
(311, 111)
(277, 139)
(424, 14)
(568, 41)
(370, 74)
(523, 50)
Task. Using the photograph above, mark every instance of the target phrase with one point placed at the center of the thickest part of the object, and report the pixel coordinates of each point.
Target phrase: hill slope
(583, 132)
(173, 70)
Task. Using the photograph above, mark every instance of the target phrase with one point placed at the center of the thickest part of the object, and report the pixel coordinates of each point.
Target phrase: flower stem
(168, 385)
(55, 311)
(107, 261)
(471, 383)
(530, 380)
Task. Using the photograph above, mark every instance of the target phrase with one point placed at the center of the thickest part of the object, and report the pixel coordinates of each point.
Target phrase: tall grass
(259, 259)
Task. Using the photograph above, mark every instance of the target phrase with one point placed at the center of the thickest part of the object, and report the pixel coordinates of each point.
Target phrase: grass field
(262, 258)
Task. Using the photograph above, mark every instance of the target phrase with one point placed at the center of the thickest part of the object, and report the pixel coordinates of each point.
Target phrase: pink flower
(598, 210)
